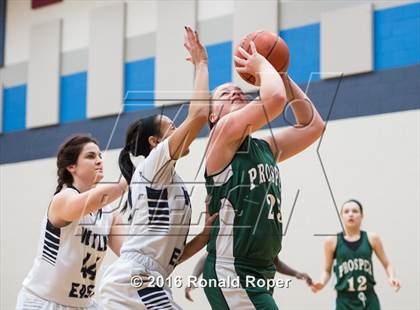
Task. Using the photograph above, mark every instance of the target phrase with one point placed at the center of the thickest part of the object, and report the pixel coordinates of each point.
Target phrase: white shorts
(125, 285)
(29, 301)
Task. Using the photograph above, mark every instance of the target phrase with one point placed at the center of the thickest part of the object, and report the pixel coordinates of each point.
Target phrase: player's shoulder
(331, 242)
(373, 238)
(64, 194)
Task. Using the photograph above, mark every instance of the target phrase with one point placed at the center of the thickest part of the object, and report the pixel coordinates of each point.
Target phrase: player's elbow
(200, 116)
(318, 127)
(279, 98)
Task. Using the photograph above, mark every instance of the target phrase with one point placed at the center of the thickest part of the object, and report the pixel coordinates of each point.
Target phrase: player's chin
(99, 176)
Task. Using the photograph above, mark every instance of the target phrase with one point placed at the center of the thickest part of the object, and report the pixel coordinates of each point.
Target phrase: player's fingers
(211, 219)
(244, 52)
(253, 48)
(242, 69)
(239, 60)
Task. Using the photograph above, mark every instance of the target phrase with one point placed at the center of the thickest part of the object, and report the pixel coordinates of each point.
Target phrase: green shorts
(238, 285)
(357, 301)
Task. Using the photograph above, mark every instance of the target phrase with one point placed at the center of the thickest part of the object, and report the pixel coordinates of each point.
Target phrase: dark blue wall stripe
(73, 97)
(360, 95)
(14, 108)
(304, 47)
(397, 36)
(220, 63)
(139, 84)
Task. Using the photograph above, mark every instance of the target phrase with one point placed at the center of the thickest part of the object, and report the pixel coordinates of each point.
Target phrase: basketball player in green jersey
(353, 266)
(243, 183)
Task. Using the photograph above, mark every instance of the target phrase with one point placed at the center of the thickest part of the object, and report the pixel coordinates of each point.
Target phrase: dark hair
(356, 202)
(67, 155)
(137, 143)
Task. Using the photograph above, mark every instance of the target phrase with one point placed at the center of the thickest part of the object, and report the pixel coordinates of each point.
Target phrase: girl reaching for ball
(243, 180)
(77, 229)
(353, 267)
(158, 202)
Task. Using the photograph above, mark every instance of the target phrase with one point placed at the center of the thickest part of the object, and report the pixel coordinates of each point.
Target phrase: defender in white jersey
(160, 208)
(75, 232)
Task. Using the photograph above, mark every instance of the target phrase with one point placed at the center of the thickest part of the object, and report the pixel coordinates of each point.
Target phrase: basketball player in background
(281, 267)
(353, 268)
(159, 205)
(76, 232)
(243, 180)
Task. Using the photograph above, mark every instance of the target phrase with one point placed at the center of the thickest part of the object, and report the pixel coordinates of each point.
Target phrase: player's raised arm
(290, 141)
(262, 110)
(198, 110)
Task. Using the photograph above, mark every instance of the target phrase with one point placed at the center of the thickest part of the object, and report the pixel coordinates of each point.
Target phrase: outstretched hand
(198, 53)
(251, 62)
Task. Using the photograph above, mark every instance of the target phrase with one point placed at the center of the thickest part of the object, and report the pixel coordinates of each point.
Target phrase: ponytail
(126, 165)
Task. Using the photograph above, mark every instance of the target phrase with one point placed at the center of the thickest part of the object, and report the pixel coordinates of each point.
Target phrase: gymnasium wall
(370, 151)
(372, 158)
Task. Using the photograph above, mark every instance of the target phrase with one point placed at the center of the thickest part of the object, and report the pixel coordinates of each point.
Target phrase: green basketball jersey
(353, 267)
(247, 195)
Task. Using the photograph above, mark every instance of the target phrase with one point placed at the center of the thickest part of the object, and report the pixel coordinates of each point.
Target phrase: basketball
(269, 45)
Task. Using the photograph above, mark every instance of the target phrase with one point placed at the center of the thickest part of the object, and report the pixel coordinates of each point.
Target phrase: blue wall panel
(139, 85)
(304, 47)
(397, 36)
(14, 108)
(220, 63)
(73, 97)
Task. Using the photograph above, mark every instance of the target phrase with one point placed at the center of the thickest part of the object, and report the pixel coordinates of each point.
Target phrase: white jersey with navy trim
(68, 258)
(160, 210)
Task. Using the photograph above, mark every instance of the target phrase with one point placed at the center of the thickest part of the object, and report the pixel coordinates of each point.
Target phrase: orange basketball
(269, 45)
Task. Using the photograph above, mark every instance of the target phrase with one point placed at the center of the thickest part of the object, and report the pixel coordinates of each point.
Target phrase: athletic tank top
(68, 258)
(353, 266)
(160, 210)
(247, 195)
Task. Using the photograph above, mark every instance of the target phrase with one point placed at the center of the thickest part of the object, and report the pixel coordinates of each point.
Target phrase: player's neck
(82, 186)
(353, 233)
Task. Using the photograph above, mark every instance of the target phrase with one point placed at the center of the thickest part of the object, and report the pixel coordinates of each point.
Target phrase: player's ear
(71, 168)
(153, 141)
(213, 117)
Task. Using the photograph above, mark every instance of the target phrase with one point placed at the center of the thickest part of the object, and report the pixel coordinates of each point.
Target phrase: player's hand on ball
(395, 283)
(250, 63)
(198, 53)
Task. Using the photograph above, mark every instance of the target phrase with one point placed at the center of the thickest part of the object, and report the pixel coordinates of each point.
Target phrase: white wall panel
(250, 16)
(141, 17)
(347, 41)
(208, 9)
(42, 106)
(106, 60)
(173, 74)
